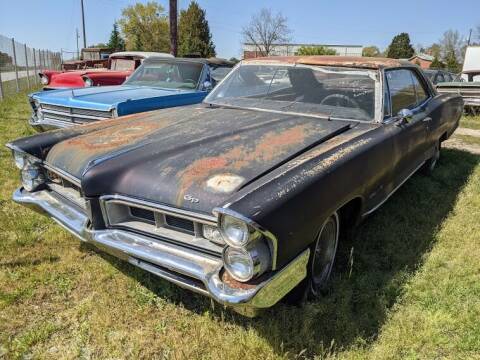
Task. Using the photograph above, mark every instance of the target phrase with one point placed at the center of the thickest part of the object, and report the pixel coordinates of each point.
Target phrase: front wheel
(320, 265)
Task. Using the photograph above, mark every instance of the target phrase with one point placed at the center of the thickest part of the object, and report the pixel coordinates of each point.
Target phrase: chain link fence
(20, 65)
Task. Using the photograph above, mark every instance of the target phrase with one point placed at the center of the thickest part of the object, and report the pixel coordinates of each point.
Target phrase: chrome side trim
(272, 239)
(393, 191)
(169, 210)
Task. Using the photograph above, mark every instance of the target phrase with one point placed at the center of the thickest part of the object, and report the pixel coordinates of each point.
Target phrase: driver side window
(402, 90)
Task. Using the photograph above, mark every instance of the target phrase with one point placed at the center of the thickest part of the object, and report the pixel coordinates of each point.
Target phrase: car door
(408, 91)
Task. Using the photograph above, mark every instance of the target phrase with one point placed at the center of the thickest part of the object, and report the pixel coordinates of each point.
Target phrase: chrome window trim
(272, 239)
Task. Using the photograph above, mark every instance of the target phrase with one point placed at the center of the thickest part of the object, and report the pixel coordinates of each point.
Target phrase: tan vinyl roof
(140, 54)
(347, 61)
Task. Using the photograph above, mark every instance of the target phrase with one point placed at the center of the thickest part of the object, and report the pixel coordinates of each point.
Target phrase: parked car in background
(119, 66)
(243, 198)
(159, 83)
(90, 58)
(441, 76)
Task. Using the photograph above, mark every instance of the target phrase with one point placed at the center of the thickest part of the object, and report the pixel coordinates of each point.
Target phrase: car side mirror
(404, 116)
(207, 86)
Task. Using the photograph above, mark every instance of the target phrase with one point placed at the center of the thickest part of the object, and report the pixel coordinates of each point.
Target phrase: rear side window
(406, 89)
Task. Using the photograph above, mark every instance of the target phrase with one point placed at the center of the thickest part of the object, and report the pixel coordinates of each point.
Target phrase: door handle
(427, 119)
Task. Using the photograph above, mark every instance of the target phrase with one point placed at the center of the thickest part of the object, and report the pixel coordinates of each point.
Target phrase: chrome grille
(163, 222)
(65, 188)
(73, 115)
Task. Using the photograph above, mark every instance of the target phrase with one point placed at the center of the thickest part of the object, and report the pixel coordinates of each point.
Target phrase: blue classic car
(158, 83)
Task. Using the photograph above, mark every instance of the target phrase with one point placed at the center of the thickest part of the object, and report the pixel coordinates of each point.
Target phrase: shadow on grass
(370, 273)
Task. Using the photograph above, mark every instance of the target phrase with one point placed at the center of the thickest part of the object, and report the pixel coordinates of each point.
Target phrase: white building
(251, 50)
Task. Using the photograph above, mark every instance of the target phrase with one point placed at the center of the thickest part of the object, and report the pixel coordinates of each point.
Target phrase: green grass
(407, 285)
(10, 87)
(471, 122)
(468, 139)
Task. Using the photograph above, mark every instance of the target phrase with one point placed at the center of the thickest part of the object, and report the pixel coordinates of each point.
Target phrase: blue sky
(51, 23)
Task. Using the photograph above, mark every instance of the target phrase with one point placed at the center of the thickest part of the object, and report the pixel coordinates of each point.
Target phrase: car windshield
(122, 64)
(339, 92)
(167, 74)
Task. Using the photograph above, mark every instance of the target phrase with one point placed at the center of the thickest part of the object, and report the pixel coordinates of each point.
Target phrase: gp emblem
(190, 198)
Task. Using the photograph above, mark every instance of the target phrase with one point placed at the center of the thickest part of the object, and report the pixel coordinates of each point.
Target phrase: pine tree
(194, 32)
(116, 42)
(401, 48)
(436, 64)
(451, 62)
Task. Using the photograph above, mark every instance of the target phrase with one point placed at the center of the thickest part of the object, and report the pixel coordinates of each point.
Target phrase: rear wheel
(430, 164)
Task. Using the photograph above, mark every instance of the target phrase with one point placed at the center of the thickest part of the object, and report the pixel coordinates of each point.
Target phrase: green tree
(145, 27)
(401, 47)
(371, 51)
(116, 42)
(451, 62)
(5, 59)
(194, 32)
(99, 46)
(434, 50)
(315, 50)
(437, 64)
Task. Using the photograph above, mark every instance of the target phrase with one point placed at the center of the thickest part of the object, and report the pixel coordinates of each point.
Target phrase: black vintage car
(242, 198)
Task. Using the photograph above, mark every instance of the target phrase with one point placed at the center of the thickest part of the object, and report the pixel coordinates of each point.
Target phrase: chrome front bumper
(187, 268)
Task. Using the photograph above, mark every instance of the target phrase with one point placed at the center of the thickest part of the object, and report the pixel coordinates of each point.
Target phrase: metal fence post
(1, 86)
(15, 64)
(26, 65)
(35, 66)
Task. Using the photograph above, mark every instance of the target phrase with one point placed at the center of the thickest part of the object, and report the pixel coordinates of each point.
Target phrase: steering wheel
(339, 100)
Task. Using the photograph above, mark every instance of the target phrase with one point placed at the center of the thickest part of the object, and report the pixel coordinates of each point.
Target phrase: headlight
(20, 159)
(88, 82)
(245, 264)
(32, 173)
(44, 79)
(236, 232)
(32, 176)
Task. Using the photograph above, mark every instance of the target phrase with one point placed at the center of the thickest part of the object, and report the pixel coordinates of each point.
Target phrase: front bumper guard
(185, 267)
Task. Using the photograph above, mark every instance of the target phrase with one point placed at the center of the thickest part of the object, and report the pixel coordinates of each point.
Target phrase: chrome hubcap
(325, 251)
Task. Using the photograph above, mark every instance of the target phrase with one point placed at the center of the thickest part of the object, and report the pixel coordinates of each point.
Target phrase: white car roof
(141, 54)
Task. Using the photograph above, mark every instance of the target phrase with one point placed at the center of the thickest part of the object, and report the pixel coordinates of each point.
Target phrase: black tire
(431, 163)
(320, 265)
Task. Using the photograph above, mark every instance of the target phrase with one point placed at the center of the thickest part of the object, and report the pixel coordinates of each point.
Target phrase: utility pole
(78, 51)
(173, 28)
(469, 37)
(83, 26)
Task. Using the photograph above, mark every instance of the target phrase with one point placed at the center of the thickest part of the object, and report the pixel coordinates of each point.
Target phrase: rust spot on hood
(269, 147)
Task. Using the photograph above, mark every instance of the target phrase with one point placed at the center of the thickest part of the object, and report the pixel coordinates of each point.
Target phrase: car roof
(343, 61)
(210, 61)
(141, 54)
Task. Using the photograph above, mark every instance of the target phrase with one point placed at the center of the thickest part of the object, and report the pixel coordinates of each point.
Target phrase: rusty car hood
(193, 157)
